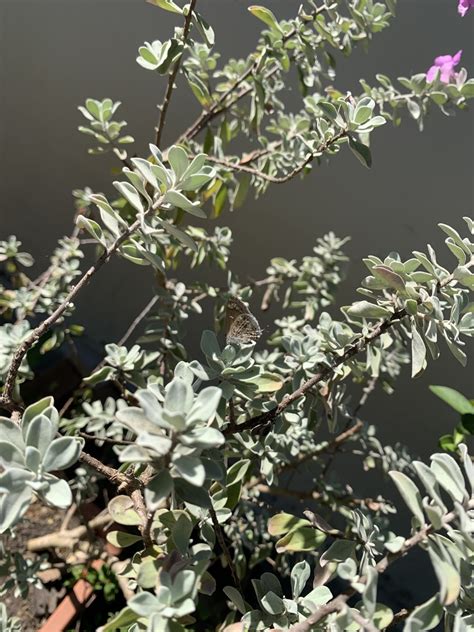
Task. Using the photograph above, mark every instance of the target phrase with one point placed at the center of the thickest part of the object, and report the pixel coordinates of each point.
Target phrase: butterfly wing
(242, 326)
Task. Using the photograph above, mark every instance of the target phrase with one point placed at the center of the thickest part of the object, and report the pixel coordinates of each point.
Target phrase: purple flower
(444, 66)
(464, 6)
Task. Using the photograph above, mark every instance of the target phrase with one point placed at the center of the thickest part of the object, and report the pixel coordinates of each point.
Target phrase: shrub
(198, 449)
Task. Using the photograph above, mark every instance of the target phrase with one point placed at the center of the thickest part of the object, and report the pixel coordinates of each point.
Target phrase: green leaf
(180, 235)
(181, 533)
(93, 228)
(454, 399)
(178, 159)
(300, 539)
(144, 604)
(236, 598)
(317, 597)
(121, 621)
(103, 374)
(167, 5)
(237, 471)
(339, 551)
(299, 576)
(272, 603)
(364, 309)
(283, 522)
(179, 200)
(62, 453)
(448, 578)
(266, 16)
(382, 617)
(209, 345)
(10, 454)
(425, 617)
(41, 406)
(418, 352)
(204, 406)
(410, 494)
(130, 194)
(206, 31)
(58, 492)
(241, 190)
(191, 469)
(361, 152)
(391, 278)
(268, 382)
(122, 511)
(158, 489)
(121, 539)
(191, 494)
(449, 475)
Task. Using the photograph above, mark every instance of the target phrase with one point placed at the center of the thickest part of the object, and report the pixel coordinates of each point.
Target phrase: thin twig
(68, 517)
(220, 105)
(339, 602)
(92, 437)
(224, 547)
(364, 623)
(263, 420)
(6, 400)
(143, 313)
(172, 77)
(136, 321)
(366, 392)
(287, 176)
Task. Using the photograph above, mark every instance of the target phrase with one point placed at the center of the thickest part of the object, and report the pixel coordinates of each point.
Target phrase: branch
(287, 176)
(220, 105)
(144, 312)
(113, 475)
(352, 350)
(6, 400)
(224, 547)
(64, 538)
(339, 602)
(145, 518)
(347, 500)
(172, 77)
(262, 420)
(92, 437)
(125, 484)
(367, 391)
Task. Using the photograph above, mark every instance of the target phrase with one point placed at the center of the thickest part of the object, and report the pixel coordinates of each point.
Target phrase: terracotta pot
(80, 597)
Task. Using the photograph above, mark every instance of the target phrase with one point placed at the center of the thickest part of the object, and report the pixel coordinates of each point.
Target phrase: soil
(40, 602)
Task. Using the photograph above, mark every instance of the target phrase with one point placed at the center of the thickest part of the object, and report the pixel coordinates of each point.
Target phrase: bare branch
(172, 77)
(221, 104)
(92, 437)
(224, 547)
(6, 400)
(237, 166)
(67, 538)
(114, 476)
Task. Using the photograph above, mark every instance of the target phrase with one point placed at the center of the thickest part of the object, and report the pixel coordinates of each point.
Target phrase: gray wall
(55, 53)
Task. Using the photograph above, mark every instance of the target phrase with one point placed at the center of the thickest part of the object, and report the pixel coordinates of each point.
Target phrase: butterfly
(241, 325)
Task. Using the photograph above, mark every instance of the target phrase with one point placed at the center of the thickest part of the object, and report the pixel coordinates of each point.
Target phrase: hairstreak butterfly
(241, 325)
